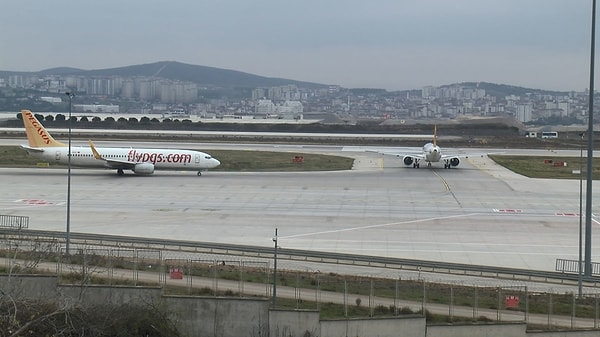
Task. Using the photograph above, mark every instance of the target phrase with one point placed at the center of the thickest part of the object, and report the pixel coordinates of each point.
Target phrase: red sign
(512, 302)
(176, 273)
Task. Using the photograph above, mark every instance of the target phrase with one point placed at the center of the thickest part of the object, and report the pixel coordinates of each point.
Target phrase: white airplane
(140, 161)
(431, 153)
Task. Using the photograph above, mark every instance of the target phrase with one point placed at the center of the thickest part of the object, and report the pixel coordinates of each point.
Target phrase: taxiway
(479, 213)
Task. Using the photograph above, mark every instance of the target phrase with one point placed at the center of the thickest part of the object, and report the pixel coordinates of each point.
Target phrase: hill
(503, 90)
(212, 77)
(201, 75)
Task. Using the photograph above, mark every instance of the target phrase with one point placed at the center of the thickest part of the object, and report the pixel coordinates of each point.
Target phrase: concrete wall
(301, 323)
(380, 327)
(211, 316)
(224, 317)
(41, 287)
(117, 295)
(488, 330)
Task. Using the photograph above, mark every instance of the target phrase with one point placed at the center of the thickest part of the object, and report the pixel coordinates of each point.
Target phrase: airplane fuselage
(161, 159)
(432, 153)
(140, 161)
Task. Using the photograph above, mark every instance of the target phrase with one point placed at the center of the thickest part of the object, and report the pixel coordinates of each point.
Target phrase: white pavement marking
(378, 225)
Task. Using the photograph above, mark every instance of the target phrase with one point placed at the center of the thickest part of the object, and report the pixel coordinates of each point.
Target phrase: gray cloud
(394, 44)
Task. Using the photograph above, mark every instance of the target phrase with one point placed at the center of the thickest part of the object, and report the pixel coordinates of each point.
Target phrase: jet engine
(143, 169)
(454, 161)
(408, 160)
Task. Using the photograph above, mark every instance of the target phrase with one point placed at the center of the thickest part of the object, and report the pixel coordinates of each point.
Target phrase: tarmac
(478, 213)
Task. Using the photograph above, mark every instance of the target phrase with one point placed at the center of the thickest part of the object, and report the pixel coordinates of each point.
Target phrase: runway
(479, 213)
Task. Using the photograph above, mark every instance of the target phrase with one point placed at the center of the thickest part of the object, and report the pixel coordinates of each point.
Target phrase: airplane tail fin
(435, 134)
(37, 136)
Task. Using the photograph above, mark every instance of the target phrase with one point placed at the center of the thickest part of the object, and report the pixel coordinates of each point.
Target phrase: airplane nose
(215, 162)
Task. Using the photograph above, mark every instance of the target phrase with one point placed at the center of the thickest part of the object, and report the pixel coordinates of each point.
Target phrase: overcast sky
(391, 44)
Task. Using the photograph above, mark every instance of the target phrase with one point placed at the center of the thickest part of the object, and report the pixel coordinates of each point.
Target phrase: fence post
(215, 278)
(596, 315)
(423, 306)
(396, 297)
(526, 305)
(111, 266)
(298, 291)
(451, 306)
(371, 299)
(241, 285)
(549, 310)
(317, 292)
(476, 303)
(345, 299)
(573, 311)
(498, 314)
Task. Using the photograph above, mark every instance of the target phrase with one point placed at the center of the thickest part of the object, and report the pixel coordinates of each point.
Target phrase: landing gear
(199, 173)
(120, 172)
(428, 164)
(416, 165)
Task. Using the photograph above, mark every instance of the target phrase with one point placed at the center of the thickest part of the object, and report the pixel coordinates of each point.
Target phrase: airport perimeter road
(478, 213)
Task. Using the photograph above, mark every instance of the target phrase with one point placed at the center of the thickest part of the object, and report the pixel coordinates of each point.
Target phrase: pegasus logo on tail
(37, 136)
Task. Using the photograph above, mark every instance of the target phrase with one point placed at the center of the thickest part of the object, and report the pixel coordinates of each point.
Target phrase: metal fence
(335, 295)
(90, 265)
(217, 277)
(14, 221)
(572, 266)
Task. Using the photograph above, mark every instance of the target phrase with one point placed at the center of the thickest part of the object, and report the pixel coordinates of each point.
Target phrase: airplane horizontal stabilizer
(31, 149)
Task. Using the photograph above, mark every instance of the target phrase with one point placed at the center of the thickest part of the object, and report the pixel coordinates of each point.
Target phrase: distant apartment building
(565, 107)
(16, 81)
(453, 92)
(428, 91)
(20, 81)
(170, 92)
(147, 89)
(332, 89)
(98, 108)
(281, 93)
(71, 81)
(128, 89)
(559, 109)
(97, 86)
(265, 107)
(259, 93)
(290, 107)
(524, 112)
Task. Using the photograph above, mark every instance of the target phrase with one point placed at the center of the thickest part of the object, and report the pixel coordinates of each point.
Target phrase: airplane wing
(451, 156)
(112, 163)
(409, 158)
(453, 160)
(414, 155)
(462, 155)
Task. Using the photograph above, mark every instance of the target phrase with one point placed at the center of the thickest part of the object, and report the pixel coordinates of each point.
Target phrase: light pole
(275, 271)
(580, 262)
(590, 152)
(68, 237)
